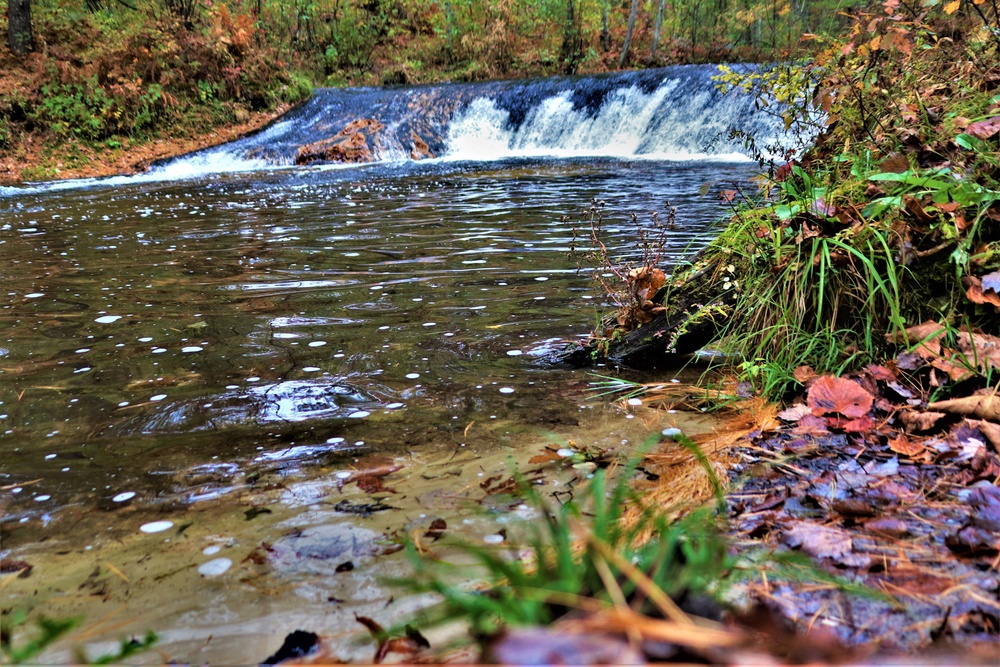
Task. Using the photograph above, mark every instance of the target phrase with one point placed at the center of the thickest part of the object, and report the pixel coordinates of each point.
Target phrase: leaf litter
(907, 505)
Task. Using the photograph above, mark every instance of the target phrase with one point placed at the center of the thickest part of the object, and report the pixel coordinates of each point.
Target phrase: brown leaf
(795, 412)
(984, 407)
(545, 457)
(979, 349)
(819, 541)
(928, 334)
(646, 281)
(436, 529)
(919, 421)
(879, 372)
(984, 129)
(830, 394)
(903, 445)
(976, 293)
(992, 433)
(895, 163)
(888, 526)
(803, 374)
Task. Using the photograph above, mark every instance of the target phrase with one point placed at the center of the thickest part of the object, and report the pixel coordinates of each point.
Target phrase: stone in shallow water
(156, 526)
(214, 567)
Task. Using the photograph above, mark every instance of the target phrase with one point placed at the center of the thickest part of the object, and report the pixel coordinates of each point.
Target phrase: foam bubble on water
(565, 452)
(159, 350)
(430, 324)
(192, 348)
(394, 406)
(334, 441)
(360, 414)
(635, 401)
(158, 397)
(41, 499)
(506, 390)
(122, 497)
(156, 526)
(34, 295)
(108, 319)
(343, 474)
(311, 369)
(514, 353)
(212, 549)
(495, 538)
(412, 376)
(317, 343)
(214, 567)
(671, 432)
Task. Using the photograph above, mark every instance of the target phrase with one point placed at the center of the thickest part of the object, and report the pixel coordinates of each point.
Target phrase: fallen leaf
(436, 529)
(795, 412)
(983, 407)
(928, 334)
(919, 421)
(992, 433)
(819, 541)
(903, 445)
(541, 646)
(888, 526)
(839, 395)
(984, 129)
(804, 374)
(882, 373)
(977, 293)
(972, 541)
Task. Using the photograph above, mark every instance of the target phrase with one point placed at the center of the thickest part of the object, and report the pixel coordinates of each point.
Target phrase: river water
(217, 348)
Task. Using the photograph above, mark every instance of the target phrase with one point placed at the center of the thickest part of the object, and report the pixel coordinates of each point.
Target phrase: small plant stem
(655, 594)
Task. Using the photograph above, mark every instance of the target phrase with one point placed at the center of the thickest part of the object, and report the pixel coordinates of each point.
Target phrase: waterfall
(672, 113)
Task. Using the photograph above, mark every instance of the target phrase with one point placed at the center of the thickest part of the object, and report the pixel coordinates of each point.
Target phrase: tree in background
(20, 37)
(632, 14)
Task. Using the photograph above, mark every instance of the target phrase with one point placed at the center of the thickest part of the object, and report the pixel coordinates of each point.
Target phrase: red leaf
(830, 394)
(984, 129)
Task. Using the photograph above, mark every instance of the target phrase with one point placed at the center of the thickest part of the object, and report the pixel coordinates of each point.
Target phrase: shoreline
(129, 159)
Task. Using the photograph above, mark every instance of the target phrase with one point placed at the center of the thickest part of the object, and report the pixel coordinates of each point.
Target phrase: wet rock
(297, 644)
(357, 142)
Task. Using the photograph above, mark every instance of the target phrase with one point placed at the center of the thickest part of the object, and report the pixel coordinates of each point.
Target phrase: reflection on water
(248, 337)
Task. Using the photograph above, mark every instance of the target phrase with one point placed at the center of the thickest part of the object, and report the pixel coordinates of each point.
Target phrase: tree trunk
(656, 27)
(572, 46)
(605, 27)
(632, 14)
(19, 36)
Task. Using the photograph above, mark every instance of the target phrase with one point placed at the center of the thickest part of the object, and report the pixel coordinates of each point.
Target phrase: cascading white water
(669, 114)
(630, 123)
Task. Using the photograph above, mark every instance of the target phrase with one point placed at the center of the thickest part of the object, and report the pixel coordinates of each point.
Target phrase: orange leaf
(903, 445)
(830, 394)
(952, 7)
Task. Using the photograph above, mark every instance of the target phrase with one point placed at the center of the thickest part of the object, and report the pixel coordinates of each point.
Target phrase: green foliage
(889, 213)
(49, 631)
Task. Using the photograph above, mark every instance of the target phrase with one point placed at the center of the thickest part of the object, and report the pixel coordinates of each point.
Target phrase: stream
(231, 385)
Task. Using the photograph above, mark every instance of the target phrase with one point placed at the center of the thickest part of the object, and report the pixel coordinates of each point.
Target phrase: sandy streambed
(251, 551)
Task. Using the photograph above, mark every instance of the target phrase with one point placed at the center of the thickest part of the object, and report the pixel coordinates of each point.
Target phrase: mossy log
(697, 306)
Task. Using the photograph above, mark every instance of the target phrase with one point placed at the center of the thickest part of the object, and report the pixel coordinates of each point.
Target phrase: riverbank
(37, 158)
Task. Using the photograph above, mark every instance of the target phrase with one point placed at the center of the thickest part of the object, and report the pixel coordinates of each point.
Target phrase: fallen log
(695, 308)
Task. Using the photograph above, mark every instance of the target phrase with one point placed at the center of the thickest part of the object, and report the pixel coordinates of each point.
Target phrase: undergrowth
(604, 548)
(891, 216)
